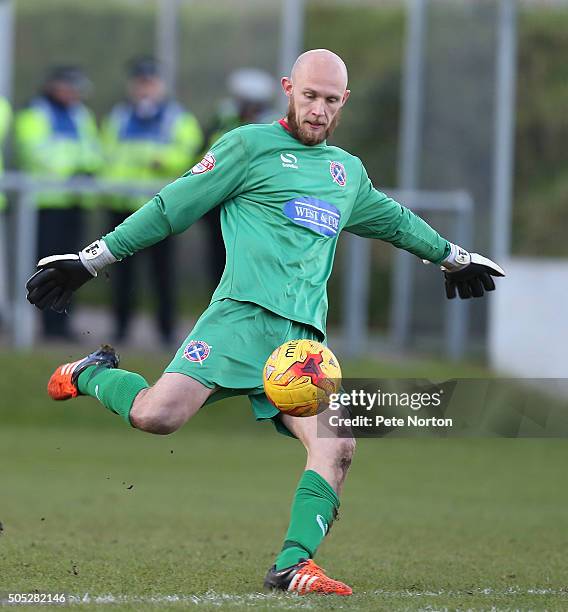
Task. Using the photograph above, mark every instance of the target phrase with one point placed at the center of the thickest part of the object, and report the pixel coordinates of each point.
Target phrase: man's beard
(302, 133)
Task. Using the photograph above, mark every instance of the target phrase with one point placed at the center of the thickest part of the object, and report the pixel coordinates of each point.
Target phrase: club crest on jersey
(197, 351)
(338, 173)
(205, 165)
(317, 215)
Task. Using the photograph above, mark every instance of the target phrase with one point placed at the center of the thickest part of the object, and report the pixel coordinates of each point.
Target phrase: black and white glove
(469, 274)
(59, 276)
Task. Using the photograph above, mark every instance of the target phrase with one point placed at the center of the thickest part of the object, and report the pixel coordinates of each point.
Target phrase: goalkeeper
(285, 196)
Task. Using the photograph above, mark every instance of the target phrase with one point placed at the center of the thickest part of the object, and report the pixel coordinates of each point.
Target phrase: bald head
(320, 62)
(317, 91)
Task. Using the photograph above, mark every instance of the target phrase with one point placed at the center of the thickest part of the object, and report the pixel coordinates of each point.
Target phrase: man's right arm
(220, 176)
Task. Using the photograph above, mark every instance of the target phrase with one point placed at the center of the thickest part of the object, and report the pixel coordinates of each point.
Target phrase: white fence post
(26, 239)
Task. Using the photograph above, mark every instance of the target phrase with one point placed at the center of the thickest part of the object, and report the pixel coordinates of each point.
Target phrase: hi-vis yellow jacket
(55, 142)
(5, 120)
(159, 148)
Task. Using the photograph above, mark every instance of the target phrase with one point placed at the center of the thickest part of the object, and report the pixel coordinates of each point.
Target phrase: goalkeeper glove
(59, 276)
(468, 274)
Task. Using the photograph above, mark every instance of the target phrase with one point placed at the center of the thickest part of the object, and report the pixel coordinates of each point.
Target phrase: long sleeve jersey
(283, 206)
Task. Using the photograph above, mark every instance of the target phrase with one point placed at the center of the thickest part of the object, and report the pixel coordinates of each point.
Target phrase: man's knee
(169, 404)
(335, 452)
(155, 420)
(344, 451)
(158, 416)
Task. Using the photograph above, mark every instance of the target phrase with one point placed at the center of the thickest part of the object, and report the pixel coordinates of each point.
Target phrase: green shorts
(228, 348)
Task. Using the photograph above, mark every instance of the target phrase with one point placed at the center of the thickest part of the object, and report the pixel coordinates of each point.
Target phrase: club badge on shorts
(197, 351)
(338, 173)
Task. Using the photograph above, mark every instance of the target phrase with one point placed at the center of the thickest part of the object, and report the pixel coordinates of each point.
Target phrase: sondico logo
(289, 160)
(322, 524)
(93, 250)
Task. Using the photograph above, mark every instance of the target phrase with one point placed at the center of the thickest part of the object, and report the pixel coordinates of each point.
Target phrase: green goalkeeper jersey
(283, 205)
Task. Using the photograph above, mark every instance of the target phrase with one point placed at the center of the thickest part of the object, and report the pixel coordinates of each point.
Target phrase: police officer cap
(72, 75)
(251, 85)
(143, 67)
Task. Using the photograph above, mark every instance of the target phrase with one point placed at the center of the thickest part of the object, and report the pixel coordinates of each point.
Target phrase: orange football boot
(303, 578)
(63, 382)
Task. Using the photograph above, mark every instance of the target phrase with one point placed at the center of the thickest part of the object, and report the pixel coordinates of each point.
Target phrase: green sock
(115, 389)
(313, 510)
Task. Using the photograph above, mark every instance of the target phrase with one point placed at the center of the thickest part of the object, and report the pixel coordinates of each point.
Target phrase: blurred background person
(56, 137)
(5, 121)
(150, 136)
(251, 98)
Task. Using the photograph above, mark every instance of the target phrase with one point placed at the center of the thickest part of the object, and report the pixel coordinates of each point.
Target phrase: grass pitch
(126, 520)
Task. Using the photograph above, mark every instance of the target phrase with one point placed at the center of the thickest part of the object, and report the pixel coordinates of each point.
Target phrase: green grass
(425, 524)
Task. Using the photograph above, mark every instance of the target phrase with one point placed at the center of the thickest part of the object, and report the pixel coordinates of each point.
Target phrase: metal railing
(27, 187)
(357, 276)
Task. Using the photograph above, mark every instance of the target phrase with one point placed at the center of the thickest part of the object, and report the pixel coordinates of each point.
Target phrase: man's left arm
(375, 215)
